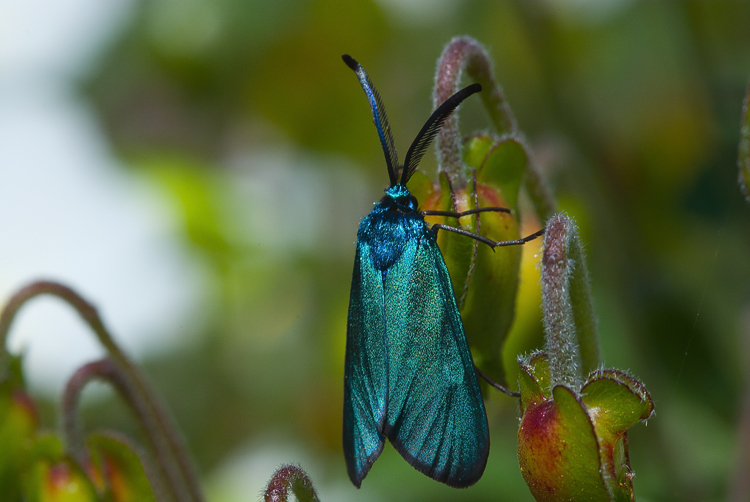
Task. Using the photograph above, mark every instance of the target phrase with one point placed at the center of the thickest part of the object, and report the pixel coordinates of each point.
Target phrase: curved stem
(107, 370)
(569, 322)
(170, 445)
(465, 53)
(85, 309)
(71, 429)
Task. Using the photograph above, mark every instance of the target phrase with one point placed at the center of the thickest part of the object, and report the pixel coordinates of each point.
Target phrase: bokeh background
(198, 169)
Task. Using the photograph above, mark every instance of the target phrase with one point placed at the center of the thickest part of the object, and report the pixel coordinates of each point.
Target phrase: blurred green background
(241, 118)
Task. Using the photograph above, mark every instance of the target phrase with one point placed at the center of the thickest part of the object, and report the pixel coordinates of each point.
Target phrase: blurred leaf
(18, 424)
(197, 194)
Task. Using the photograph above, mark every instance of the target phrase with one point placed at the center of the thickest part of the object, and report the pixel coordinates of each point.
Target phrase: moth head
(399, 198)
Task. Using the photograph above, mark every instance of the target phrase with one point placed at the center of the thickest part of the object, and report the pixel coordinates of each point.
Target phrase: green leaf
(197, 194)
(580, 450)
(615, 401)
(421, 186)
(489, 303)
(457, 250)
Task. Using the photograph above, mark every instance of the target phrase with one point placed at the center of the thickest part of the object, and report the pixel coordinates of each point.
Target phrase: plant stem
(465, 53)
(170, 449)
(582, 304)
(569, 321)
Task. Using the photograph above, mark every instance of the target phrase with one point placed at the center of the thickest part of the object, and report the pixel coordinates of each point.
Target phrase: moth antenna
(431, 128)
(379, 117)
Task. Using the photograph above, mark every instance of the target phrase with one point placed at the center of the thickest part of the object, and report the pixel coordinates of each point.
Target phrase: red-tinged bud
(573, 445)
(60, 481)
(49, 476)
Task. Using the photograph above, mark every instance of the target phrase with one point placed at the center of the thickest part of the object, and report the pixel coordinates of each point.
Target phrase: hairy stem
(170, 448)
(465, 53)
(570, 325)
(286, 478)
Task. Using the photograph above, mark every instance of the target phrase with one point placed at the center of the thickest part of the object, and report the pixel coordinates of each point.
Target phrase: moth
(409, 374)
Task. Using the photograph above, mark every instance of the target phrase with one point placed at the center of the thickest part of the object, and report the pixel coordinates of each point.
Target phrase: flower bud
(572, 445)
(53, 477)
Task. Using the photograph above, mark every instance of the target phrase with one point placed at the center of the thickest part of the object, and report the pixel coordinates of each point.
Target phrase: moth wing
(365, 369)
(435, 413)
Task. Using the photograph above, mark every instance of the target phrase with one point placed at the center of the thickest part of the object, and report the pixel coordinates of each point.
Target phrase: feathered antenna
(378, 116)
(431, 128)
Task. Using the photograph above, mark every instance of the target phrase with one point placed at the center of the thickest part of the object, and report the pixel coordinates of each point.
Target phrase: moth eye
(411, 202)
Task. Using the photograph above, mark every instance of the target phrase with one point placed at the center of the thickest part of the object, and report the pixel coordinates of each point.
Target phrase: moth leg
(485, 240)
(451, 214)
(496, 385)
(522, 240)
